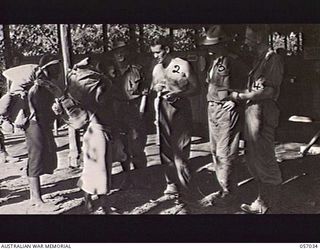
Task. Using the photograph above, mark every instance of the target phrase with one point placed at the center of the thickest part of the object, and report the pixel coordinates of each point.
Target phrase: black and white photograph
(134, 119)
(159, 123)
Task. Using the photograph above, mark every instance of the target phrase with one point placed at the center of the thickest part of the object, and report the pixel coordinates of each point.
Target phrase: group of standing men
(117, 111)
(228, 92)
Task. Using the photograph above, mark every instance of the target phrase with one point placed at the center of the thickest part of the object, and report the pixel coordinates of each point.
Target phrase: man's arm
(272, 80)
(261, 94)
(193, 87)
(266, 93)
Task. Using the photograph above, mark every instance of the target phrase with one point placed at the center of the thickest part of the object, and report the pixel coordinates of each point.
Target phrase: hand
(229, 105)
(171, 96)
(233, 96)
(183, 82)
(23, 94)
(159, 87)
(145, 92)
(21, 120)
(7, 127)
(57, 108)
(21, 124)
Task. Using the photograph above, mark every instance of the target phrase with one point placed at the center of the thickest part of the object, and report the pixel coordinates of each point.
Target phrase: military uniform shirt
(268, 71)
(218, 78)
(226, 74)
(129, 85)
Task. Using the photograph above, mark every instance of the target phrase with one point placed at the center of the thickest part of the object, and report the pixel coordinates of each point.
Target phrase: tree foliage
(87, 38)
(152, 32)
(1, 49)
(37, 39)
(34, 40)
(184, 39)
(1, 40)
(117, 32)
(291, 42)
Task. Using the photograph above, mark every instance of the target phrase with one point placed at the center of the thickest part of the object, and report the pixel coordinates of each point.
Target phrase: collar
(124, 69)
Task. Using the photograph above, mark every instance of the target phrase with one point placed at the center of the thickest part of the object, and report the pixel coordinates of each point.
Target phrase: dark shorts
(42, 156)
(2, 147)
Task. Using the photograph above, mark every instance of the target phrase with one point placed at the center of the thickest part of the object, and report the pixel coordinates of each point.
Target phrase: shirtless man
(174, 81)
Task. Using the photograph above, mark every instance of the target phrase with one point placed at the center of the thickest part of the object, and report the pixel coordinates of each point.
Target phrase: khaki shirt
(267, 72)
(225, 74)
(130, 84)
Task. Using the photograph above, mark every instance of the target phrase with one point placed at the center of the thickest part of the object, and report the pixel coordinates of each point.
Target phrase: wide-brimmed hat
(214, 35)
(119, 44)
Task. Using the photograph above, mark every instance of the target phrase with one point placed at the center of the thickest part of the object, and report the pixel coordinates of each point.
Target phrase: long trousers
(224, 131)
(133, 132)
(175, 126)
(261, 120)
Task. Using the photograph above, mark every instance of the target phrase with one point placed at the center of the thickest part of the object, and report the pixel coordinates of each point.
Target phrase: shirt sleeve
(134, 82)
(223, 69)
(273, 74)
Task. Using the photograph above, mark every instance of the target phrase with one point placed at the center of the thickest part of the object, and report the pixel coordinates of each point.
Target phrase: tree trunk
(74, 136)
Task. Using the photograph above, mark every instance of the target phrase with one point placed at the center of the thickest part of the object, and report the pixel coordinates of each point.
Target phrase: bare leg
(36, 202)
(35, 190)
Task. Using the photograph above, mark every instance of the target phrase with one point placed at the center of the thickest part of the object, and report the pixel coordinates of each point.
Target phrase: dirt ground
(300, 189)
